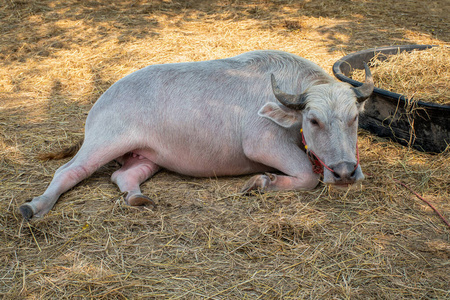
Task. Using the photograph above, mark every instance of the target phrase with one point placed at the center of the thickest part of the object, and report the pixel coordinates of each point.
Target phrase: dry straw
(419, 75)
(205, 241)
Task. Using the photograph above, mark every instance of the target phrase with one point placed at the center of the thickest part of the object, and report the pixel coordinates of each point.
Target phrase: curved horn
(364, 91)
(291, 101)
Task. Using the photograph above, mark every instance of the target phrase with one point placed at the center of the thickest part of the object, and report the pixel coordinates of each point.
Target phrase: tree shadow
(369, 24)
(36, 30)
(38, 27)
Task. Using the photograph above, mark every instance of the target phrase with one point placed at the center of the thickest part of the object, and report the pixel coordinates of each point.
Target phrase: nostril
(353, 173)
(336, 175)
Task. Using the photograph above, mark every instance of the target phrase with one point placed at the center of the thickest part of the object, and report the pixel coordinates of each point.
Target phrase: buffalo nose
(344, 172)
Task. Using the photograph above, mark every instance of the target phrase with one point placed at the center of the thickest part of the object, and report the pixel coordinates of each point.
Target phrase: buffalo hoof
(140, 200)
(258, 182)
(26, 212)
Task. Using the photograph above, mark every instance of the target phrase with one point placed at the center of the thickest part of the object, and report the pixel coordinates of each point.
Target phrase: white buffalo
(252, 113)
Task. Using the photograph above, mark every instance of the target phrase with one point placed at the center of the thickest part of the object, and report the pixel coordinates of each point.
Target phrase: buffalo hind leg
(135, 170)
(86, 162)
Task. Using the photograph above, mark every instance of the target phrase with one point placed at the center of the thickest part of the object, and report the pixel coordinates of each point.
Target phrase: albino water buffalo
(232, 116)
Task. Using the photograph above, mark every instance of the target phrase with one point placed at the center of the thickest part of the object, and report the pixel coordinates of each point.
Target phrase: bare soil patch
(205, 240)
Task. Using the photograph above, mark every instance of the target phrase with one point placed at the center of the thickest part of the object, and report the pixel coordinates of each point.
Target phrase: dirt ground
(205, 240)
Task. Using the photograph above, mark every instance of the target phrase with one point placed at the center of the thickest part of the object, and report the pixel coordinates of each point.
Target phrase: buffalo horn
(296, 102)
(364, 91)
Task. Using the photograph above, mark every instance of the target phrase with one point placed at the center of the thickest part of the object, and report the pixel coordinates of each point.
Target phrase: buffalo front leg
(274, 182)
(135, 170)
(293, 163)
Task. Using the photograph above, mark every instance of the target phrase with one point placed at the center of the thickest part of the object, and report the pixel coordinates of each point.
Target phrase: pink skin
(135, 170)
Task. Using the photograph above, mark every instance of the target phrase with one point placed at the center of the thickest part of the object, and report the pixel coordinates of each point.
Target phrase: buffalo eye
(314, 122)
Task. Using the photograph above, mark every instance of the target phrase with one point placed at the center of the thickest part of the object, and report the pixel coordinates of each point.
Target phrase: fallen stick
(429, 204)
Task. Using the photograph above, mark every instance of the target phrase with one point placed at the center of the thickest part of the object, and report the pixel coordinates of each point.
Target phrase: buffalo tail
(66, 152)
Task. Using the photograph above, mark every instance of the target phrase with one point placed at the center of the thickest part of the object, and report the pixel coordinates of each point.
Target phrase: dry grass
(205, 240)
(419, 75)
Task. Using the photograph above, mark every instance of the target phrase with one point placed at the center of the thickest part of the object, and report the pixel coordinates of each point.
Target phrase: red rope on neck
(317, 163)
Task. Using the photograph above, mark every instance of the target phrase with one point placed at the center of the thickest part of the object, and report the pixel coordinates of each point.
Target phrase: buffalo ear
(284, 117)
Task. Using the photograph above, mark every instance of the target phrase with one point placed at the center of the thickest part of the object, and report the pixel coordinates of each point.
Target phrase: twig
(71, 239)
(429, 204)
(37, 244)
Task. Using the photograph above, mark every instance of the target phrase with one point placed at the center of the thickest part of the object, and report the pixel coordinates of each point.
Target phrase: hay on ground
(205, 241)
(420, 75)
